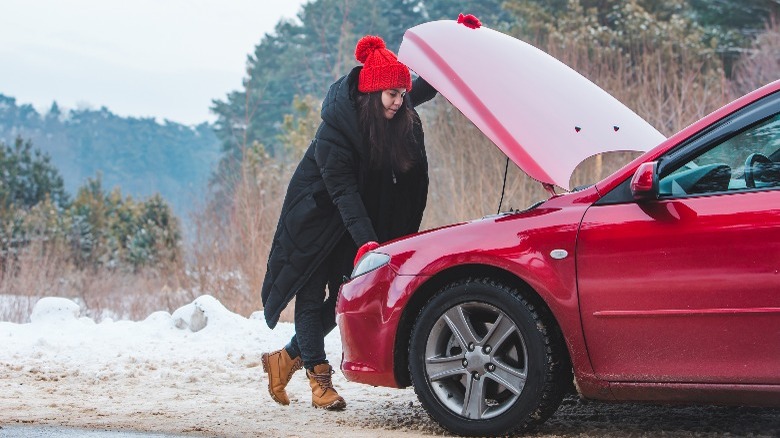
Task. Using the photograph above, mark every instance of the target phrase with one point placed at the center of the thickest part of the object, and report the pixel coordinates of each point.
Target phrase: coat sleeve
(339, 172)
(421, 92)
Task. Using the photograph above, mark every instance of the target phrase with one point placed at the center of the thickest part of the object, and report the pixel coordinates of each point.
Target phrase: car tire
(479, 388)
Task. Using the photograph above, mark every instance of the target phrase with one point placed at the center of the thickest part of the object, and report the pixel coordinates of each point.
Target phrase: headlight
(369, 262)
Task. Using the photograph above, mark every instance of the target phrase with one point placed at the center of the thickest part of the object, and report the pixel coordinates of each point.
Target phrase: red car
(659, 283)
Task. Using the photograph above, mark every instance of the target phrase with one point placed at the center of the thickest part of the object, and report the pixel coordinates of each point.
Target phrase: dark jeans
(315, 315)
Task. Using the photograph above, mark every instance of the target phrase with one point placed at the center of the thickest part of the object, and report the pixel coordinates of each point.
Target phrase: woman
(363, 180)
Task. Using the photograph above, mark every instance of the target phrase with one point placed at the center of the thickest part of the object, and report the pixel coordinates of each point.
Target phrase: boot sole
(266, 368)
(337, 405)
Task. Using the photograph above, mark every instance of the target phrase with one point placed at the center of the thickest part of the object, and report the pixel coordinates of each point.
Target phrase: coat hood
(339, 108)
(543, 115)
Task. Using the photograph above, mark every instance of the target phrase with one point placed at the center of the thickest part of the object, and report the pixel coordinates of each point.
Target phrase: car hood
(543, 115)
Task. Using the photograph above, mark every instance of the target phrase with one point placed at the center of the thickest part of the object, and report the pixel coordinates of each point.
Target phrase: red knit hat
(381, 69)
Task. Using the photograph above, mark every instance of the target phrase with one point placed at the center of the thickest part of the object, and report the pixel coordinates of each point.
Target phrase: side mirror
(644, 183)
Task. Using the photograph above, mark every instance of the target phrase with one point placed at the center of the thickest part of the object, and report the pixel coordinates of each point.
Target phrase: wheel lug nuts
(491, 367)
(465, 363)
(487, 349)
(471, 346)
(475, 375)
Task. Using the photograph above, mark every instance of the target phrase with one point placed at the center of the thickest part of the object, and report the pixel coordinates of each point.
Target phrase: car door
(686, 288)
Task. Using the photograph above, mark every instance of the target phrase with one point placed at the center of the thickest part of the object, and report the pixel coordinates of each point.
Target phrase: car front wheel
(486, 361)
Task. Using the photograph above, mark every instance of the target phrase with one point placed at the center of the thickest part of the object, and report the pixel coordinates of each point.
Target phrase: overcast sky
(144, 58)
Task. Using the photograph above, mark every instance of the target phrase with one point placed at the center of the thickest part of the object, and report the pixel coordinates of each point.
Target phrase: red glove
(368, 246)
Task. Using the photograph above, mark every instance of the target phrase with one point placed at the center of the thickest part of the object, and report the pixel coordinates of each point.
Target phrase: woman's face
(392, 99)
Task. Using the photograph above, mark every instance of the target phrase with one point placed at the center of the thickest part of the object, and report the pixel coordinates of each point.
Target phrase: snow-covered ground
(198, 372)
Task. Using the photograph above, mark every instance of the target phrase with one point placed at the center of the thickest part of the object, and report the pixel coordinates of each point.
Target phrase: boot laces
(324, 379)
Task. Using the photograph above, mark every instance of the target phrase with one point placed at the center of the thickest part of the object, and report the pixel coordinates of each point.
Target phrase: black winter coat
(330, 193)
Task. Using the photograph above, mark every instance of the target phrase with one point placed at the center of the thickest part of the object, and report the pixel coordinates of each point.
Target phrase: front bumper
(367, 313)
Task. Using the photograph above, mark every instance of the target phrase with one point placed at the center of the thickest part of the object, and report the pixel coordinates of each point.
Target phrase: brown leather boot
(323, 395)
(280, 368)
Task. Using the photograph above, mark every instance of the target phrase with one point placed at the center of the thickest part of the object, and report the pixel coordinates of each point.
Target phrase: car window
(749, 160)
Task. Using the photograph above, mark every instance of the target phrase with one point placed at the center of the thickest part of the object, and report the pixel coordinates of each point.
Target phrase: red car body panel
(662, 300)
(368, 357)
(493, 242)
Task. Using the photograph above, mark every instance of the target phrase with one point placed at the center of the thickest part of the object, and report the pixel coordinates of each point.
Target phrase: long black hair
(393, 138)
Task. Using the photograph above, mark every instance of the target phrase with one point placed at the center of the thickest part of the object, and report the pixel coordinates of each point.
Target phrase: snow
(52, 310)
(198, 372)
(203, 331)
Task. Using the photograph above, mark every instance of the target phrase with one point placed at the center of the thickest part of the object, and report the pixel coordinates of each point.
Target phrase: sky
(166, 59)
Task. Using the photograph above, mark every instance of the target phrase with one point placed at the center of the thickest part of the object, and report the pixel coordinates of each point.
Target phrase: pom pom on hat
(381, 69)
(366, 45)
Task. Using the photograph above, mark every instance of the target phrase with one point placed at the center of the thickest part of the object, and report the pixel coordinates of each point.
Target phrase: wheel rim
(476, 360)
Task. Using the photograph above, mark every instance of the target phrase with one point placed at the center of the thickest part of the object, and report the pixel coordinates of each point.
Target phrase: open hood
(543, 115)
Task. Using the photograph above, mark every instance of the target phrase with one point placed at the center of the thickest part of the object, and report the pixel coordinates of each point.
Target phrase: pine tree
(27, 177)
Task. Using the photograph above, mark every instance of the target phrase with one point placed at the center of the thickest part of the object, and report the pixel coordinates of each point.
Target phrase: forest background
(129, 216)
